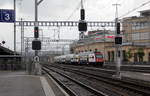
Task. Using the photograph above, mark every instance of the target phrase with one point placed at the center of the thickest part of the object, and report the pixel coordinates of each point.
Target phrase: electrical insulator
(36, 32)
(118, 40)
(118, 28)
(82, 26)
(82, 14)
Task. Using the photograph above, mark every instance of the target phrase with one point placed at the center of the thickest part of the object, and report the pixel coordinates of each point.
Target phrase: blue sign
(7, 15)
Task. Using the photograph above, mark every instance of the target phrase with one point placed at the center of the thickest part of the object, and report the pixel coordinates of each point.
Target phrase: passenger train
(91, 58)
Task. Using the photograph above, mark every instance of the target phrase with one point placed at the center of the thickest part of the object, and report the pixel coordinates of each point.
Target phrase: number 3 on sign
(7, 17)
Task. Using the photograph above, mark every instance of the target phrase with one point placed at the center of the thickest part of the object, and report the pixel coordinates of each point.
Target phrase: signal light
(36, 45)
(118, 40)
(36, 32)
(118, 28)
(82, 26)
(82, 14)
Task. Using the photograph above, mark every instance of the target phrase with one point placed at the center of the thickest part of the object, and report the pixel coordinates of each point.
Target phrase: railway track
(108, 85)
(106, 73)
(73, 87)
(143, 69)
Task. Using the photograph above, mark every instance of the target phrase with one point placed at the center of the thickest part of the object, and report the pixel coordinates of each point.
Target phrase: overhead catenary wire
(135, 9)
(76, 9)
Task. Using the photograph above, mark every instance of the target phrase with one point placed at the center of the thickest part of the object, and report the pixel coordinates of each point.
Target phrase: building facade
(97, 40)
(136, 40)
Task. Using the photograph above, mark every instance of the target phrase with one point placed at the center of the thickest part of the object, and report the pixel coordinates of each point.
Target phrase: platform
(136, 75)
(21, 84)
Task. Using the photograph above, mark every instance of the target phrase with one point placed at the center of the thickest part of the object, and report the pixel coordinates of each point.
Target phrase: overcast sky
(100, 10)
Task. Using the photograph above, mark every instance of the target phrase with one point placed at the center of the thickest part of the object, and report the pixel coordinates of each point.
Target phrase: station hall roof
(5, 51)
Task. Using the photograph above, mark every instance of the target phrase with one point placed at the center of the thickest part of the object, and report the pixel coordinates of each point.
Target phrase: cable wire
(76, 9)
(78, 6)
(135, 9)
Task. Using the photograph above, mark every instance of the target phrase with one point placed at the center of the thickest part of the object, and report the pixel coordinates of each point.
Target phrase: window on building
(140, 25)
(136, 36)
(140, 35)
(145, 35)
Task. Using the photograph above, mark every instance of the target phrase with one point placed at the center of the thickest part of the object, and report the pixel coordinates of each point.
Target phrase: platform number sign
(7, 15)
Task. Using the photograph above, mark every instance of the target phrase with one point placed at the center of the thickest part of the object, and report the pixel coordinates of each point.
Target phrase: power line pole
(118, 42)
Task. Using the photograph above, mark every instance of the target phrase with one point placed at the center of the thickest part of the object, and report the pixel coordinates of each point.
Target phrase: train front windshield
(99, 56)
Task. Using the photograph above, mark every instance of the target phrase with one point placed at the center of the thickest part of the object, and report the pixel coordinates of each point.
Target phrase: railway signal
(36, 32)
(82, 26)
(36, 45)
(118, 40)
(118, 27)
(82, 14)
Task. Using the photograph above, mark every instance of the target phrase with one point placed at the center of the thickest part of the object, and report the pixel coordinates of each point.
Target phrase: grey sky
(100, 10)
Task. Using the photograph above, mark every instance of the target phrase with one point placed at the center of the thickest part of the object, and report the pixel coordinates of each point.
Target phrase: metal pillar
(118, 52)
(15, 27)
(28, 66)
(118, 55)
(81, 34)
(22, 37)
(104, 42)
(37, 69)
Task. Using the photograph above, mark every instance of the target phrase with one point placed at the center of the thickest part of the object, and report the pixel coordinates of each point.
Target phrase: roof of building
(143, 14)
(145, 11)
(5, 51)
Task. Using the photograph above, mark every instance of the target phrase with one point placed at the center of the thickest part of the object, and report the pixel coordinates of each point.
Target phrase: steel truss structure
(50, 43)
(47, 39)
(64, 23)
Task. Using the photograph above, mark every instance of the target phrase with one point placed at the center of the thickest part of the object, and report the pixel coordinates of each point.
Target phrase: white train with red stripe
(92, 58)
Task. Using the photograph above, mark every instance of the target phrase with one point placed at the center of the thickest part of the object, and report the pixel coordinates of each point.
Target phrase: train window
(92, 56)
(99, 56)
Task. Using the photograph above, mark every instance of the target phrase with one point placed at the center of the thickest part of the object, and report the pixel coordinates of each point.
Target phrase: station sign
(7, 15)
